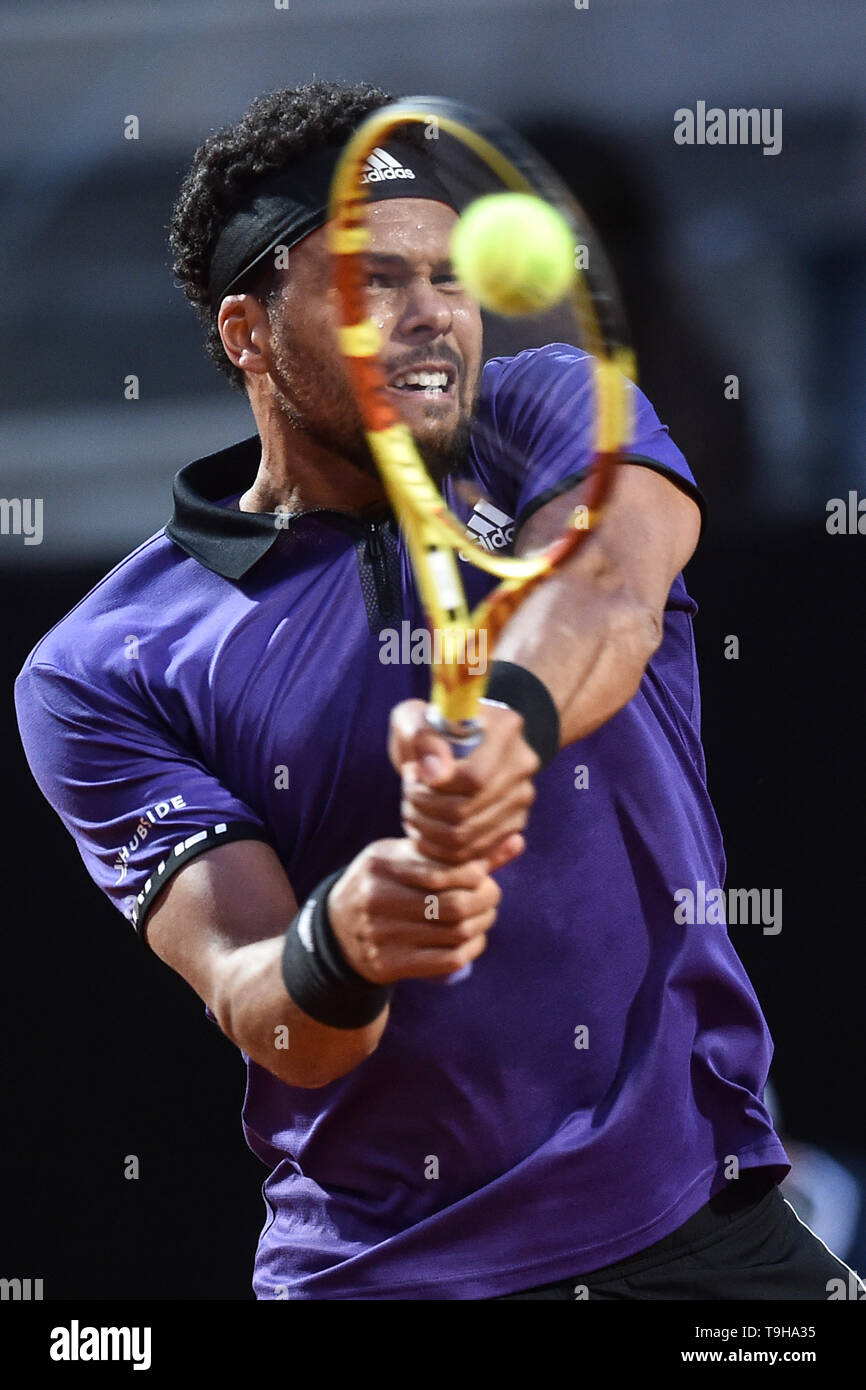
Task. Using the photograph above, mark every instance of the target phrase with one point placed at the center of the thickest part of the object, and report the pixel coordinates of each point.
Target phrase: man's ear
(245, 331)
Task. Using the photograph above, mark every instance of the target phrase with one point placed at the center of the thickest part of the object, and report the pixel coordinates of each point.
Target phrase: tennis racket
(481, 155)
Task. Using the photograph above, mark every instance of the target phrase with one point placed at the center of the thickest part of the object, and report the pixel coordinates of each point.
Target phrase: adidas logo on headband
(380, 165)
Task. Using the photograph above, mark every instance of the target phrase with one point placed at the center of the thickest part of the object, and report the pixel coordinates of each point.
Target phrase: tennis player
(583, 1115)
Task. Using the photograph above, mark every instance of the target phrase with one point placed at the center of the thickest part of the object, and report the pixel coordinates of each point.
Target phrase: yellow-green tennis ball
(514, 253)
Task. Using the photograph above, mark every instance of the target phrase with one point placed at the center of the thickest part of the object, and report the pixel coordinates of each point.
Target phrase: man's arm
(221, 921)
(588, 632)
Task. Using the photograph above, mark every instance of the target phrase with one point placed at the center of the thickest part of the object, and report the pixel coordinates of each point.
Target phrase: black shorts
(746, 1243)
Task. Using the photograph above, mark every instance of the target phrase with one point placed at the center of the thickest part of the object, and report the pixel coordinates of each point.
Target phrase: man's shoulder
(123, 600)
(520, 393)
(549, 361)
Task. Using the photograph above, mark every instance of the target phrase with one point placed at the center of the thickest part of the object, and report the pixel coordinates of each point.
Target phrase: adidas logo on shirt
(489, 527)
(380, 165)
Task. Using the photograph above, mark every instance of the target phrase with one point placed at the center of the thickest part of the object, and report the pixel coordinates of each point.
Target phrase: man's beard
(441, 459)
(338, 427)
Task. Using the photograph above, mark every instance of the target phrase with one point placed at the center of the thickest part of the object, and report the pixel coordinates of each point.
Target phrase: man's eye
(393, 280)
(450, 283)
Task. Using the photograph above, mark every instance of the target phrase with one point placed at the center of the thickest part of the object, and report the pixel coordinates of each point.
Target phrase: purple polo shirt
(580, 1095)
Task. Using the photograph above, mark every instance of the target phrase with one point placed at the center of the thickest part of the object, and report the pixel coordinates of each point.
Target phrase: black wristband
(522, 691)
(317, 975)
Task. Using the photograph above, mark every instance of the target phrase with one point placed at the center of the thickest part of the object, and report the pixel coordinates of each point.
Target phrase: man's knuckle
(465, 903)
(369, 889)
(473, 874)
(455, 836)
(445, 908)
(374, 863)
(460, 810)
(473, 949)
(374, 968)
(509, 720)
(474, 778)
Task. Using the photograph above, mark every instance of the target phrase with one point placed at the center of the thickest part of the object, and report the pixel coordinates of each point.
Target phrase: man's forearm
(252, 1008)
(587, 638)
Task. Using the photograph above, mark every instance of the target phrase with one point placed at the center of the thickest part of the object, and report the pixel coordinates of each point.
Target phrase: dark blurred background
(732, 262)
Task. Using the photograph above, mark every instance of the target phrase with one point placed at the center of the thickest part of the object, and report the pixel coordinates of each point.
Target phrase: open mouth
(431, 382)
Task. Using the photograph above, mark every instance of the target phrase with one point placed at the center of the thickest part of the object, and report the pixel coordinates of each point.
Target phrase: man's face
(428, 325)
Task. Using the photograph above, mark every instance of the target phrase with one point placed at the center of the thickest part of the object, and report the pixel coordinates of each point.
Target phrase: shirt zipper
(375, 555)
(377, 558)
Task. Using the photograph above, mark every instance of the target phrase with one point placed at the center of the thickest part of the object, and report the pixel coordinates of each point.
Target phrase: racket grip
(464, 736)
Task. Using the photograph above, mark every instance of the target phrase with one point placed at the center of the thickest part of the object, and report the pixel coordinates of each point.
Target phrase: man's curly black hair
(280, 128)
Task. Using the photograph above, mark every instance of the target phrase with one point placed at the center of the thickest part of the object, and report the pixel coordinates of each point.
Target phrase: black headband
(286, 206)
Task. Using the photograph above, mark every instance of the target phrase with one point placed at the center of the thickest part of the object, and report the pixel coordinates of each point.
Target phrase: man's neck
(300, 475)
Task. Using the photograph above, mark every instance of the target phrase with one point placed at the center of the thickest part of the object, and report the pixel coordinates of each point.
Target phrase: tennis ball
(514, 253)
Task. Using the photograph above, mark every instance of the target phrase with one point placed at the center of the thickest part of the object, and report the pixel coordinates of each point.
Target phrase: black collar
(222, 539)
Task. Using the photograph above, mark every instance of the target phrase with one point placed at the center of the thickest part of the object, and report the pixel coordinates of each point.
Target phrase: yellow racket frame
(433, 534)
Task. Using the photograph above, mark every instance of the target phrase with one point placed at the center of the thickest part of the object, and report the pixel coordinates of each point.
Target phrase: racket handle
(464, 735)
